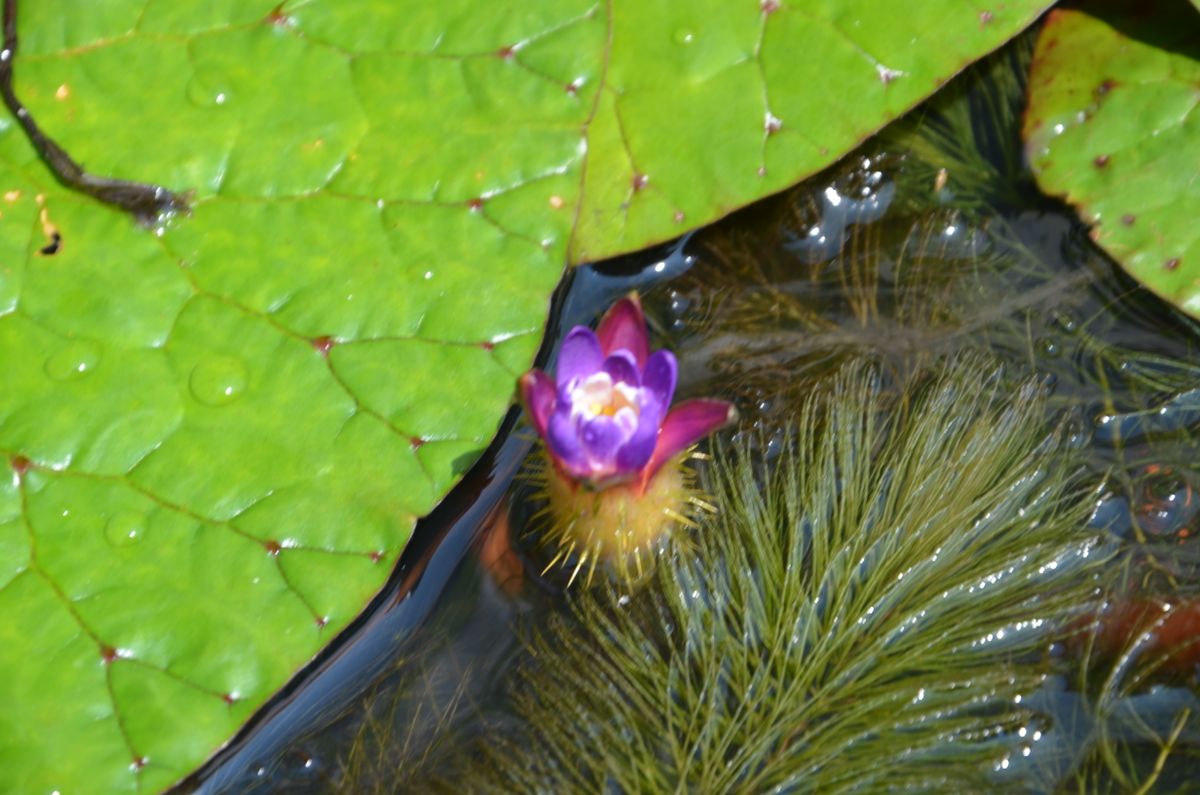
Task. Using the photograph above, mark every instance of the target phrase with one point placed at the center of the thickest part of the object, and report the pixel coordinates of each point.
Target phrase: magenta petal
(686, 424)
(623, 328)
(660, 375)
(579, 356)
(538, 397)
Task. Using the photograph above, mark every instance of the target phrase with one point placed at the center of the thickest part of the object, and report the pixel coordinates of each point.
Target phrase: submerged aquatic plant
(405, 730)
(862, 613)
(615, 445)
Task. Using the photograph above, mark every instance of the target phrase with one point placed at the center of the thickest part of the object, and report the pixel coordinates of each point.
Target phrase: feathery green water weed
(861, 614)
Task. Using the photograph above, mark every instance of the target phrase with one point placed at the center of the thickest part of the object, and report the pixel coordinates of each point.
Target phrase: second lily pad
(1111, 127)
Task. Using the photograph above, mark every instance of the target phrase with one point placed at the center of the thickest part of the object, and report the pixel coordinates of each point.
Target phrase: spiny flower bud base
(621, 528)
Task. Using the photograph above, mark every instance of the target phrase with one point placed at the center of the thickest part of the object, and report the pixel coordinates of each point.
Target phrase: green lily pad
(222, 431)
(1110, 128)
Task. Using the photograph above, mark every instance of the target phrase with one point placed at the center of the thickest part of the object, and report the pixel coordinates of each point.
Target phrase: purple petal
(579, 356)
(686, 424)
(637, 451)
(562, 439)
(538, 397)
(623, 328)
(621, 366)
(602, 437)
(659, 376)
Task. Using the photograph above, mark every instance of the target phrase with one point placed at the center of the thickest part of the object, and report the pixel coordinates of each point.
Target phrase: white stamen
(627, 420)
(597, 394)
(593, 394)
(626, 391)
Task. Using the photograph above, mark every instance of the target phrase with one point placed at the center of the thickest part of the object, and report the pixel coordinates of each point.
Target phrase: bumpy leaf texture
(1111, 127)
(221, 432)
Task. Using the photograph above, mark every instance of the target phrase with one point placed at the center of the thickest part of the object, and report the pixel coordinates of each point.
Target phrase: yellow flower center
(598, 395)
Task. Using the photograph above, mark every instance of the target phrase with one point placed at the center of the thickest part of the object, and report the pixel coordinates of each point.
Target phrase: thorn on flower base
(615, 484)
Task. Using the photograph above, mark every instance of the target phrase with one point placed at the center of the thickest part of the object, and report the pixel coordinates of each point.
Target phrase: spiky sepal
(621, 529)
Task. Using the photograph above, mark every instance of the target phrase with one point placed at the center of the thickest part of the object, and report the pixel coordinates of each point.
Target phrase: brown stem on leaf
(145, 202)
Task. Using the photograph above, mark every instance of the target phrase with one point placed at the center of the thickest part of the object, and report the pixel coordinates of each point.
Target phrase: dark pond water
(928, 242)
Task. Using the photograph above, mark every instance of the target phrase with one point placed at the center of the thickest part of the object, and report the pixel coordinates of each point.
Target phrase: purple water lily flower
(606, 417)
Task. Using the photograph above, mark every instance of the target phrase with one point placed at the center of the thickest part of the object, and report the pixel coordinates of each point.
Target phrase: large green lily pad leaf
(1111, 128)
(221, 431)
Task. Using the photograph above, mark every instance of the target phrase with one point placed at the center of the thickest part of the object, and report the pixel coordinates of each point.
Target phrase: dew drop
(124, 528)
(76, 359)
(218, 381)
(205, 94)
(684, 36)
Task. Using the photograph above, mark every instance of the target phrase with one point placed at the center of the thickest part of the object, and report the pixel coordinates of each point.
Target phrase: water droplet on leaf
(218, 381)
(74, 360)
(124, 528)
(206, 93)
